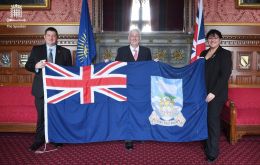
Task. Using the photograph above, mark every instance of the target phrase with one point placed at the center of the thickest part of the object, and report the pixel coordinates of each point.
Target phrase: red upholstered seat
(247, 102)
(241, 113)
(17, 105)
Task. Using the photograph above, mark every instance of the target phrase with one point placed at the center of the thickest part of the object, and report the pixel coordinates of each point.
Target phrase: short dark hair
(214, 32)
(51, 29)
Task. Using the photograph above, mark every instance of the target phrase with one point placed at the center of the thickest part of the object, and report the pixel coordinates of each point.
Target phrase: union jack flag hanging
(199, 36)
(83, 80)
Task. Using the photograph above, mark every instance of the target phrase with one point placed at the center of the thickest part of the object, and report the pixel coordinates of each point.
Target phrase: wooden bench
(241, 113)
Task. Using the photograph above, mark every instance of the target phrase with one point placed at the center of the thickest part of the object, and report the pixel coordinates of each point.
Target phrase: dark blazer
(124, 54)
(217, 72)
(38, 53)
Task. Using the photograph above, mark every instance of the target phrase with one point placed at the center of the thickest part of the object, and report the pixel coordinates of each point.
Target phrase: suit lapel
(58, 55)
(44, 50)
(139, 53)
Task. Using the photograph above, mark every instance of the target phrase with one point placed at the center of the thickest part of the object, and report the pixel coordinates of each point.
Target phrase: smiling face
(51, 38)
(214, 41)
(134, 38)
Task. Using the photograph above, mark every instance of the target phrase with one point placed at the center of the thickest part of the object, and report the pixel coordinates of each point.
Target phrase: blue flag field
(125, 101)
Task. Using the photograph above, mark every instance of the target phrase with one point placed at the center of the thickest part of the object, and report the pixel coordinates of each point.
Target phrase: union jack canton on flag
(84, 81)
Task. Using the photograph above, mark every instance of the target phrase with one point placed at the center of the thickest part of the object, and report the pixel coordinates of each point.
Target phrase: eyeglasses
(213, 38)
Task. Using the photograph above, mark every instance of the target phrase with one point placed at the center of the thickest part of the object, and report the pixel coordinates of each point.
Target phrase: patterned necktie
(50, 57)
(135, 55)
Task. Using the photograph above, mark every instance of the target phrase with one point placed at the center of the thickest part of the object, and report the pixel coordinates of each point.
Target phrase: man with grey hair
(131, 53)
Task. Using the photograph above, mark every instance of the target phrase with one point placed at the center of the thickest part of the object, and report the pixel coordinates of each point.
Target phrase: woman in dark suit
(218, 68)
(50, 52)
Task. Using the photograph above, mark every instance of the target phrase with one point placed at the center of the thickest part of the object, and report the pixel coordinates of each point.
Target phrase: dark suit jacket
(217, 72)
(124, 54)
(38, 53)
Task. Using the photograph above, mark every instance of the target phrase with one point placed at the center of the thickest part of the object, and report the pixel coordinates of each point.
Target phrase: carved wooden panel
(257, 80)
(15, 51)
(258, 61)
(246, 64)
(244, 80)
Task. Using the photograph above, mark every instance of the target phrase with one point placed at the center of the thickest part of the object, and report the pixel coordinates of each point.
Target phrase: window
(155, 15)
(140, 15)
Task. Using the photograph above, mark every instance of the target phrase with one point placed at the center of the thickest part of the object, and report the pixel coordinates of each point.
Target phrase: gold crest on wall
(244, 62)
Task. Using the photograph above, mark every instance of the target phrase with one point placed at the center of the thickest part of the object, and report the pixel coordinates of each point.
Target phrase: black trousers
(39, 135)
(212, 143)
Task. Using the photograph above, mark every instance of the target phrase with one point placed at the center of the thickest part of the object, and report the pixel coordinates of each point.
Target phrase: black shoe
(57, 145)
(129, 145)
(211, 159)
(35, 146)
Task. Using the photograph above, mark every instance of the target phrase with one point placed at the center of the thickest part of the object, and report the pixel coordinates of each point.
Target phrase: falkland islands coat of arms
(167, 102)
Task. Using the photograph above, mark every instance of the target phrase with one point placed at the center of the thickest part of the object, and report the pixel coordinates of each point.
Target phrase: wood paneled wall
(243, 42)
(15, 48)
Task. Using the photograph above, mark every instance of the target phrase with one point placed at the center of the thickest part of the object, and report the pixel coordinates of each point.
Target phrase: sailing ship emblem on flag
(85, 81)
(167, 102)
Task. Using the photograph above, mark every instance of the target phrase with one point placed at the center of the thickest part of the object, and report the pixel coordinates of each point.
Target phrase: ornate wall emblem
(5, 60)
(160, 55)
(178, 55)
(23, 58)
(16, 17)
(244, 61)
(108, 55)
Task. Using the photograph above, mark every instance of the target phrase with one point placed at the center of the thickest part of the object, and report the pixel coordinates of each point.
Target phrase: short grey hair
(135, 30)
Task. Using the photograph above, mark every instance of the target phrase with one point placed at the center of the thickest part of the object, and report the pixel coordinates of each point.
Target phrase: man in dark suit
(50, 52)
(131, 53)
(127, 53)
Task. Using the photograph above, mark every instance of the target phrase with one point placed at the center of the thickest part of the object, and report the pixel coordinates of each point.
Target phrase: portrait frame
(248, 4)
(26, 4)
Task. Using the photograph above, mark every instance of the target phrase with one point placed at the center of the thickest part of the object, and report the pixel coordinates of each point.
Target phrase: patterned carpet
(13, 150)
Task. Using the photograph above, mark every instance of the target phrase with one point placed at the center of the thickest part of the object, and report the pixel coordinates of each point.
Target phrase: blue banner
(86, 48)
(125, 101)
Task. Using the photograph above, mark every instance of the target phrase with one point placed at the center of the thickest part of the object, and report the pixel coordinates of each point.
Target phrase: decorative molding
(231, 24)
(241, 40)
(242, 37)
(35, 40)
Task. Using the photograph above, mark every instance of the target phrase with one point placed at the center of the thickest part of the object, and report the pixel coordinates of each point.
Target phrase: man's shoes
(211, 159)
(129, 145)
(35, 146)
(57, 145)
